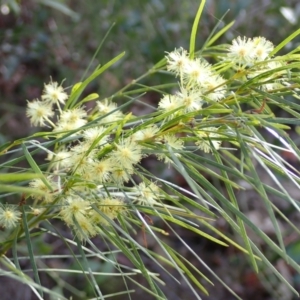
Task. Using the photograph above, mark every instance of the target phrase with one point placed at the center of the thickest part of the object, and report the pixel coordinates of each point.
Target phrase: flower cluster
(208, 139)
(246, 51)
(91, 167)
(84, 216)
(99, 152)
(94, 159)
(40, 112)
(254, 55)
(88, 170)
(199, 83)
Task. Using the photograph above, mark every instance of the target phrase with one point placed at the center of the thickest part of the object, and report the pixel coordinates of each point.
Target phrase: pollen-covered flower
(73, 207)
(9, 216)
(176, 145)
(272, 80)
(54, 93)
(177, 61)
(100, 170)
(119, 175)
(48, 195)
(168, 103)
(127, 153)
(71, 119)
(39, 112)
(195, 72)
(84, 227)
(76, 117)
(110, 207)
(37, 211)
(92, 134)
(109, 111)
(191, 100)
(262, 48)
(147, 194)
(145, 134)
(208, 139)
(173, 141)
(105, 106)
(215, 88)
(61, 159)
(241, 51)
(81, 157)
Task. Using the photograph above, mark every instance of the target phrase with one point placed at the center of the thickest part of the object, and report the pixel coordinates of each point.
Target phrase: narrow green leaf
(78, 91)
(60, 7)
(15, 249)
(11, 177)
(285, 42)
(97, 51)
(88, 98)
(259, 187)
(93, 284)
(191, 228)
(206, 224)
(194, 29)
(20, 189)
(145, 272)
(275, 271)
(187, 271)
(234, 201)
(35, 167)
(19, 276)
(30, 249)
(204, 46)
(219, 34)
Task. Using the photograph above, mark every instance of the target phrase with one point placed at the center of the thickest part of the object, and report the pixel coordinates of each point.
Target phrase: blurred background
(44, 38)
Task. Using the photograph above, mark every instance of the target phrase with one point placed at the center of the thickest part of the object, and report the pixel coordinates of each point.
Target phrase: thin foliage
(211, 131)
